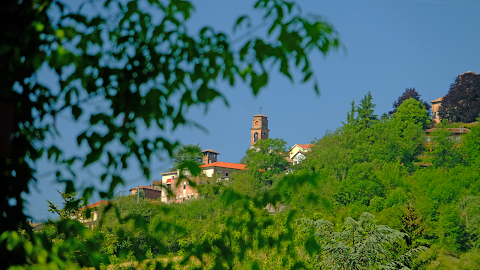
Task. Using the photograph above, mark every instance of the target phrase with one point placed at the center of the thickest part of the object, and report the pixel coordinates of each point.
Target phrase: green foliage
(143, 73)
(70, 206)
(411, 111)
(412, 226)
(361, 116)
(267, 160)
(445, 153)
(188, 152)
(365, 110)
(148, 73)
(470, 147)
(360, 244)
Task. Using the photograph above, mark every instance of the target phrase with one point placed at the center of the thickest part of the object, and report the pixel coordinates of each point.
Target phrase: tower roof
(437, 100)
(260, 115)
(211, 151)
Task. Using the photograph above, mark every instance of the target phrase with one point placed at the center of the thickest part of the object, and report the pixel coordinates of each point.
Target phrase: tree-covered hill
(358, 201)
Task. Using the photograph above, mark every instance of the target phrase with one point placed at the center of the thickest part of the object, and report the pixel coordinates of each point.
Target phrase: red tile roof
(95, 204)
(305, 145)
(222, 164)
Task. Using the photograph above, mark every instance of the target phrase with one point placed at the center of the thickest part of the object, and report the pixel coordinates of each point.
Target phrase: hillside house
(92, 221)
(150, 191)
(183, 190)
(297, 152)
(456, 135)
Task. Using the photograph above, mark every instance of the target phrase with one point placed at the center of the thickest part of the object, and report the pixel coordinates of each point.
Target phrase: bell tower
(259, 130)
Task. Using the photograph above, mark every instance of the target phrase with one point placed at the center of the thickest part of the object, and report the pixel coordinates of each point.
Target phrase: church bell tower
(259, 130)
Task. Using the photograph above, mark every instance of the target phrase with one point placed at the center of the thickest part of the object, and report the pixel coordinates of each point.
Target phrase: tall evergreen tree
(351, 119)
(365, 112)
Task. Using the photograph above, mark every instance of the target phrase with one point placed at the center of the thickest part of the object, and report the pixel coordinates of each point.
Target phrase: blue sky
(389, 45)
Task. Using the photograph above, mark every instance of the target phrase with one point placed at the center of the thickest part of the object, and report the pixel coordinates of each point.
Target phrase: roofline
(300, 146)
(437, 100)
(216, 165)
(210, 150)
(165, 173)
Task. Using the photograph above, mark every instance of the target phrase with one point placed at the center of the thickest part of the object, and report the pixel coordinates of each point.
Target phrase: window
(219, 172)
(188, 196)
(255, 137)
(226, 174)
(184, 184)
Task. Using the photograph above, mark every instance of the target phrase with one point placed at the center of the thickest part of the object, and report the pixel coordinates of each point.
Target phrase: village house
(92, 221)
(456, 135)
(36, 226)
(150, 192)
(182, 191)
(297, 152)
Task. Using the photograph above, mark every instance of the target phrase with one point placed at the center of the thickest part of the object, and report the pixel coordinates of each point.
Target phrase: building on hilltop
(435, 106)
(92, 221)
(259, 130)
(456, 136)
(182, 190)
(221, 170)
(297, 152)
(151, 192)
(209, 156)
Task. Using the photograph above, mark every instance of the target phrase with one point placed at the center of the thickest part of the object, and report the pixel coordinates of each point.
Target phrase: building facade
(151, 192)
(435, 106)
(297, 152)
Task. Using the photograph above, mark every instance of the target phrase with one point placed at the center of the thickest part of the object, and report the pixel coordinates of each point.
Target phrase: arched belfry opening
(259, 130)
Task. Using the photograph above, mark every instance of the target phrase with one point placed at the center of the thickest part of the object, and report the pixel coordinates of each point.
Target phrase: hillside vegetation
(358, 201)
